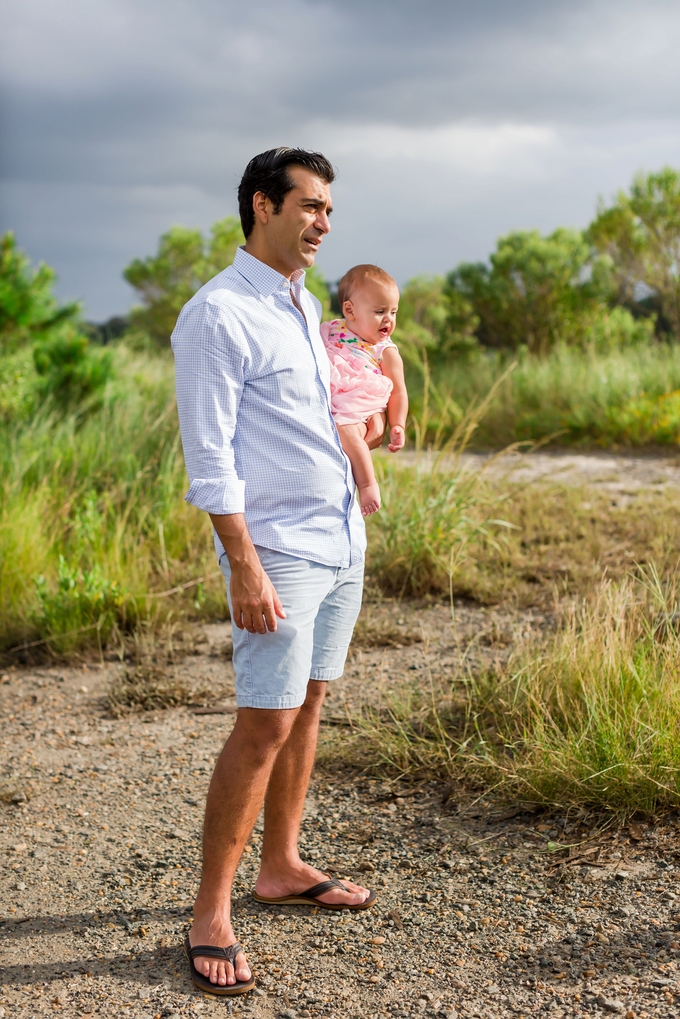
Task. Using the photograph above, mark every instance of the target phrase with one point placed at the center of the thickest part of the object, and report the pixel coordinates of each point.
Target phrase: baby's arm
(397, 407)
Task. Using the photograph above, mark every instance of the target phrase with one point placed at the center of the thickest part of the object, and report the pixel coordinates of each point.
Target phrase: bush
(71, 371)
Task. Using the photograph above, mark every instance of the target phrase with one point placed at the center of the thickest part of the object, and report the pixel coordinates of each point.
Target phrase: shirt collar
(263, 278)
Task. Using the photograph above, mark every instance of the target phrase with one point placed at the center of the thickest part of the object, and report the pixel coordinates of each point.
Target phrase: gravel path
(100, 855)
(601, 469)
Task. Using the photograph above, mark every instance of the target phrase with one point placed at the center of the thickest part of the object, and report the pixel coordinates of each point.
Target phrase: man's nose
(322, 222)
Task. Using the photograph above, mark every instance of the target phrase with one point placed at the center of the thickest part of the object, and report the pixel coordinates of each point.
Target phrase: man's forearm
(234, 534)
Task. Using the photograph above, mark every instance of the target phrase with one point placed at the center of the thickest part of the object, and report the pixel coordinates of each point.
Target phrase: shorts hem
(326, 675)
(270, 703)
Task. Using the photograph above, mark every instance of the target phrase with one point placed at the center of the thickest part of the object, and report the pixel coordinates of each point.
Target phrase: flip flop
(311, 897)
(227, 955)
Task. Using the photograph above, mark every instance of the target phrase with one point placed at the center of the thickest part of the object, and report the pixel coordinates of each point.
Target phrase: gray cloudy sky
(450, 121)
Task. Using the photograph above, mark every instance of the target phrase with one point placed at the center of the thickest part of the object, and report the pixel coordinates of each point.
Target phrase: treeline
(612, 285)
(609, 287)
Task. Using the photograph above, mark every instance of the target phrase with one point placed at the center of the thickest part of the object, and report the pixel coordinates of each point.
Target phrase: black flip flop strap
(324, 886)
(214, 952)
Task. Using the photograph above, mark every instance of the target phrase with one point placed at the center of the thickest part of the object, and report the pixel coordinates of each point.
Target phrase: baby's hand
(397, 438)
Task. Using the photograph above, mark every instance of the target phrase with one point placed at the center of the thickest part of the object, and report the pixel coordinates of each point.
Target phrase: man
(264, 460)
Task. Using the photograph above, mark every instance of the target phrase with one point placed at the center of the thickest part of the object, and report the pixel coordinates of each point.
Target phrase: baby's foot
(369, 497)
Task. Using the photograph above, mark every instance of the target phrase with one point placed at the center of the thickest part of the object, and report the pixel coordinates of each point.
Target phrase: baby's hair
(358, 275)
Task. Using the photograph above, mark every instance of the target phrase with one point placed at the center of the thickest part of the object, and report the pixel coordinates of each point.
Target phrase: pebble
(610, 1004)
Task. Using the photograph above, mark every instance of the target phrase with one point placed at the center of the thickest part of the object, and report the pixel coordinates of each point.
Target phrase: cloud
(450, 120)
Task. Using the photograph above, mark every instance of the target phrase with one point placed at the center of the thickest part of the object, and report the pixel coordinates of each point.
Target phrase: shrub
(70, 370)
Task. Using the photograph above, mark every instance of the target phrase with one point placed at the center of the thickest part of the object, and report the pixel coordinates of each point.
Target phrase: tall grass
(627, 397)
(590, 717)
(91, 513)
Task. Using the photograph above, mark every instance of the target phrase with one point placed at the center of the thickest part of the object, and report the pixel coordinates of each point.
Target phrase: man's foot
(292, 880)
(210, 930)
(369, 498)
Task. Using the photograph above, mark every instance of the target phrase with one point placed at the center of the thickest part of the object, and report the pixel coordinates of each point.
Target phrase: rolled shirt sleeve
(210, 360)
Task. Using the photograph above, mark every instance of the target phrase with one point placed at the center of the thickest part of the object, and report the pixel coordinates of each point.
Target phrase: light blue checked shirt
(253, 395)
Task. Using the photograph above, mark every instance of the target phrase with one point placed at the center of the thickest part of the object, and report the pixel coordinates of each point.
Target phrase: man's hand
(254, 601)
(375, 430)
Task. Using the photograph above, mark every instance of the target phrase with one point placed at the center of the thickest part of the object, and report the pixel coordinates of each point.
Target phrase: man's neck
(263, 253)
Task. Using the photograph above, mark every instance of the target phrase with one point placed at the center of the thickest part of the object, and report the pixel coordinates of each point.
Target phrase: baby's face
(371, 312)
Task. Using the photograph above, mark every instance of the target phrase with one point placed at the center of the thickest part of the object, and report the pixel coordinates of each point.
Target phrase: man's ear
(261, 207)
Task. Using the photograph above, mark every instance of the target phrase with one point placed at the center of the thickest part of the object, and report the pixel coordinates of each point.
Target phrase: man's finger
(259, 623)
(278, 608)
(270, 617)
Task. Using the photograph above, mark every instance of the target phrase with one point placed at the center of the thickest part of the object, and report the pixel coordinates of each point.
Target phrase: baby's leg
(353, 442)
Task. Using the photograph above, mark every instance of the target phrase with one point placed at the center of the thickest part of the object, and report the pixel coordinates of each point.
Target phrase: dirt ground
(100, 853)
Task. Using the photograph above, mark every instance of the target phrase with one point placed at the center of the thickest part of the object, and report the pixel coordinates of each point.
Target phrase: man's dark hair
(268, 173)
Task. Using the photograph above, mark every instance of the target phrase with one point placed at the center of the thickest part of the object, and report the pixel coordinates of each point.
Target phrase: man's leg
(282, 872)
(235, 797)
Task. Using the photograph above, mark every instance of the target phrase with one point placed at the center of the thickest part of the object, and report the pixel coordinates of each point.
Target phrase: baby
(367, 373)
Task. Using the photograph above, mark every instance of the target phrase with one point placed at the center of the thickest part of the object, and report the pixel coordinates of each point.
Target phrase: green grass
(627, 397)
(590, 717)
(92, 518)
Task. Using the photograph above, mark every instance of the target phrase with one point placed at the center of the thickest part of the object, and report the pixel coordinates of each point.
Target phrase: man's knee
(264, 729)
(316, 695)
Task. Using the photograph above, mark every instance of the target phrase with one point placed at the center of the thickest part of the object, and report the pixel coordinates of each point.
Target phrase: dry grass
(589, 716)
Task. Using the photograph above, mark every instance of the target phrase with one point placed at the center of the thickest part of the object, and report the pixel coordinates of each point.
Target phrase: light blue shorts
(321, 605)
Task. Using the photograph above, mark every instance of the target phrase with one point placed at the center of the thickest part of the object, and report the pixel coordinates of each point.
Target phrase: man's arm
(209, 360)
(254, 602)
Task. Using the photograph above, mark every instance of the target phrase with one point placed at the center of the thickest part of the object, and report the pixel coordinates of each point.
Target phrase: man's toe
(242, 968)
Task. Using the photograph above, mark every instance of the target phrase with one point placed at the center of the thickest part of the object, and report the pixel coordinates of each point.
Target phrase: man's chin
(308, 258)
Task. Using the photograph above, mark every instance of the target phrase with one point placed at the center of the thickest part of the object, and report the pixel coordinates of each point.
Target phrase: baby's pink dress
(358, 386)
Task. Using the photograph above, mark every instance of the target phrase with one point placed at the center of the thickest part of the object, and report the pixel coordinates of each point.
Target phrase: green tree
(435, 316)
(184, 262)
(640, 235)
(537, 291)
(28, 308)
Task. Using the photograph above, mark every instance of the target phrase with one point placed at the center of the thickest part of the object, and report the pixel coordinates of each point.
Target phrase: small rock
(660, 982)
(177, 833)
(21, 886)
(289, 1013)
(20, 847)
(257, 992)
(451, 1014)
(377, 941)
(366, 867)
(610, 1004)
(375, 979)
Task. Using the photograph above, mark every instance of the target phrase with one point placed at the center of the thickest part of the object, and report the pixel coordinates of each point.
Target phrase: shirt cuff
(219, 497)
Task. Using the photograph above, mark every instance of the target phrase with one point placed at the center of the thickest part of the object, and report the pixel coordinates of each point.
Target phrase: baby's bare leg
(353, 442)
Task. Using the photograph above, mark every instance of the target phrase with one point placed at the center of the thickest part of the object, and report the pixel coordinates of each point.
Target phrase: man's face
(295, 233)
